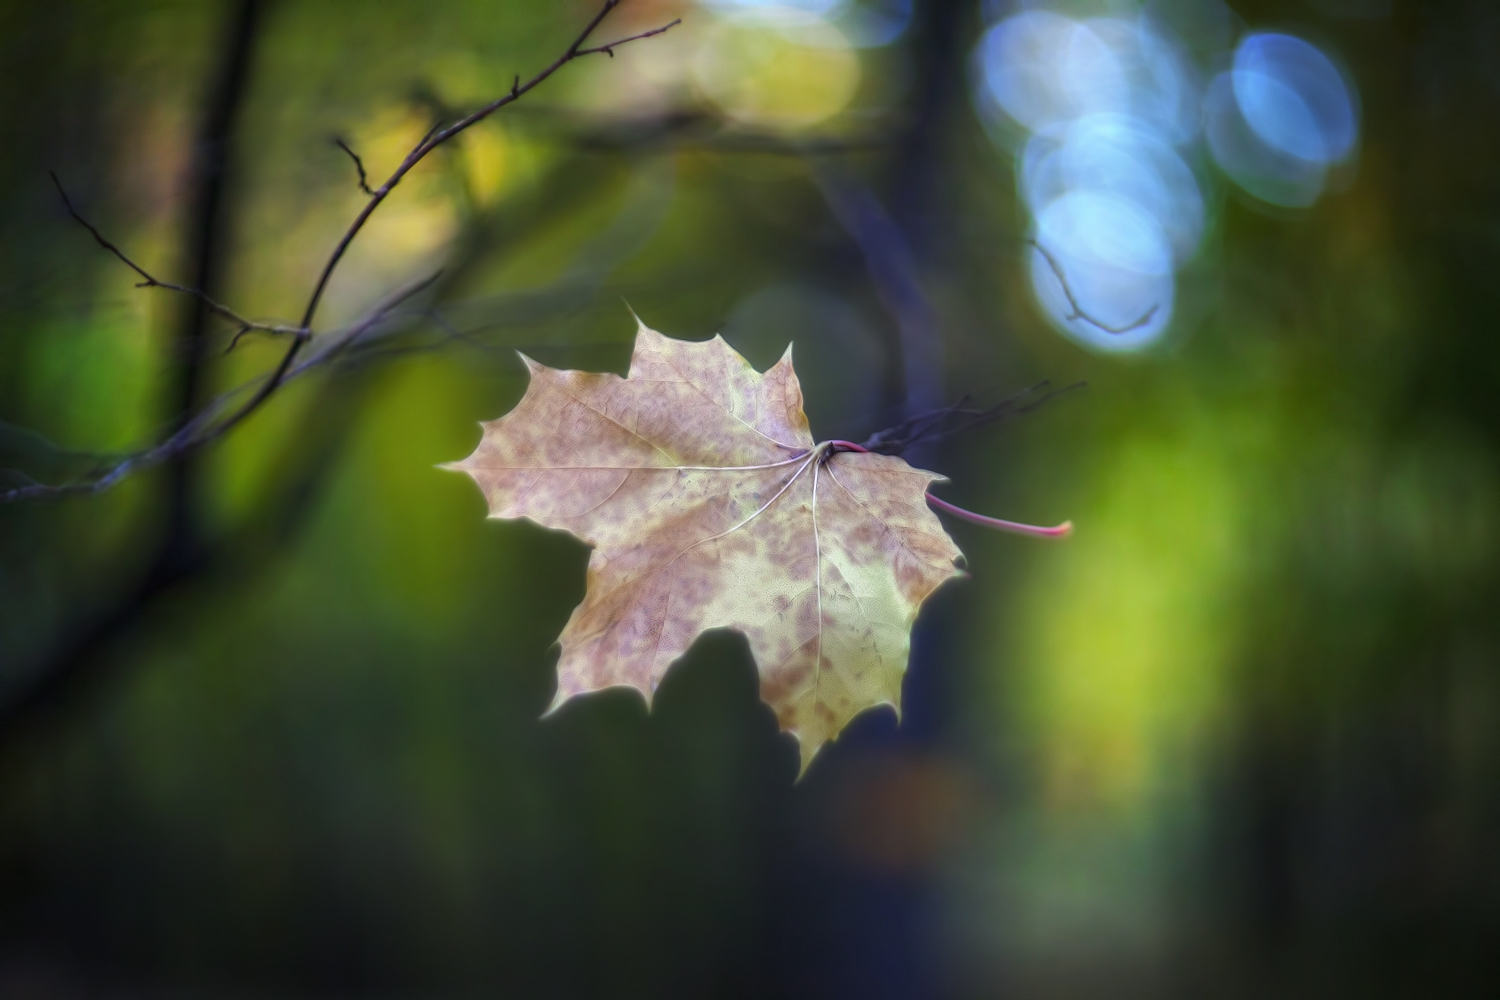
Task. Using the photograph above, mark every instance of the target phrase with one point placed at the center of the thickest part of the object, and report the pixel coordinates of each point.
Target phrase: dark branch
(150, 281)
(427, 145)
(98, 236)
(1078, 311)
(201, 430)
(956, 418)
(336, 345)
(609, 49)
(208, 424)
(364, 180)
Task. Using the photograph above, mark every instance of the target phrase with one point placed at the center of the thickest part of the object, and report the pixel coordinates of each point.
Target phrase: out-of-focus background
(269, 719)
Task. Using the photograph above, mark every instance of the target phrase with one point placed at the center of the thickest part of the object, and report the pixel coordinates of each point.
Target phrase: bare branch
(418, 153)
(956, 418)
(348, 337)
(609, 49)
(98, 236)
(437, 138)
(364, 181)
(150, 281)
(208, 425)
(201, 430)
(1078, 311)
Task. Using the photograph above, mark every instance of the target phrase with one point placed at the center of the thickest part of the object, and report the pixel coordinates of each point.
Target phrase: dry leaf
(708, 505)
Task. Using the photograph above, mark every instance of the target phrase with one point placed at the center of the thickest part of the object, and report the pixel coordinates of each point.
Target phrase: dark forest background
(269, 714)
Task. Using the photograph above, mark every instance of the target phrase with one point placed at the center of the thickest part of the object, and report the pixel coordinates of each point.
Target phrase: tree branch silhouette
(364, 179)
(149, 280)
(956, 418)
(207, 426)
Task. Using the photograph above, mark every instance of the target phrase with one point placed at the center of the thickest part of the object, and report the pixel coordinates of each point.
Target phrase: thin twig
(1078, 311)
(200, 429)
(382, 310)
(427, 145)
(441, 136)
(956, 418)
(364, 180)
(609, 49)
(149, 280)
(205, 427)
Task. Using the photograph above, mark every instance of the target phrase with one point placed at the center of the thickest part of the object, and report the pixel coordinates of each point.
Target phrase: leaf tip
(561, 697)
(806, 751)
(640, 324)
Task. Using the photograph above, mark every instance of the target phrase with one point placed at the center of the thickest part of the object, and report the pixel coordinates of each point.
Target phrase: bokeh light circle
(778, 9)
(774, 74)
(1041, 68)
(1023, 61)
(1293, 98)
(1160, 87)
(1109, 104)
(1116, 155)
(1261, 170)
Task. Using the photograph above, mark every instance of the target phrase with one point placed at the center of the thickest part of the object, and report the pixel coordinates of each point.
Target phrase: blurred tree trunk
(81, 658)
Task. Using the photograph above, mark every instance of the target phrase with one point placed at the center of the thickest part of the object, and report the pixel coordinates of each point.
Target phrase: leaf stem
(1033, 530)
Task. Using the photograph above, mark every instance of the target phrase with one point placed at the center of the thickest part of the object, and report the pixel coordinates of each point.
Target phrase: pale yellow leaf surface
(708, 505)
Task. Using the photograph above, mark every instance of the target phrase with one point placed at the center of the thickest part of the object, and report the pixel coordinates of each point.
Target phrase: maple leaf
(708, 505)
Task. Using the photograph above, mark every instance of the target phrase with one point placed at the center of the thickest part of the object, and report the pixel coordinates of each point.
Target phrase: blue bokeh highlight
(1115, 128)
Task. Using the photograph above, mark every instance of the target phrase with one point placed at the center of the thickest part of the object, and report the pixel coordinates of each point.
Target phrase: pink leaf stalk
(1033, 530)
